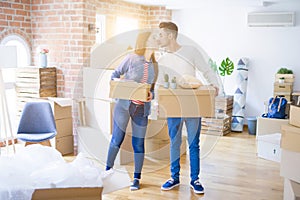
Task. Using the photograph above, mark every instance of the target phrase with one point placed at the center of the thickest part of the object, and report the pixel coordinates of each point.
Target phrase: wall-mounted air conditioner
(267, 19)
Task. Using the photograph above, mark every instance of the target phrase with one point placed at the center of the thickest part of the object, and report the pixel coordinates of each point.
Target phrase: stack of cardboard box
(284, 89)
(290, 156)
(221, 124)
(62, 110)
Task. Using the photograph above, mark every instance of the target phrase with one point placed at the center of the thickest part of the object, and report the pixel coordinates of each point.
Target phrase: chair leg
(44, 143)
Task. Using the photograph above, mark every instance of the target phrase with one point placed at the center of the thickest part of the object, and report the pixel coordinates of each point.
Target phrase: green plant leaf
(213, 65)
(226, 67)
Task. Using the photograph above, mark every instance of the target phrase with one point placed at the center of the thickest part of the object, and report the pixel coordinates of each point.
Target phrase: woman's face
(152, 41)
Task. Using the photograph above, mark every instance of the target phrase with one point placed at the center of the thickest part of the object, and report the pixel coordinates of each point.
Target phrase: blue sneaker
(170, 184)
(135, 184)
(197, 187)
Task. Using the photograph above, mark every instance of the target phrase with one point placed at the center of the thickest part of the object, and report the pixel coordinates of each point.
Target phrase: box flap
(61, 101)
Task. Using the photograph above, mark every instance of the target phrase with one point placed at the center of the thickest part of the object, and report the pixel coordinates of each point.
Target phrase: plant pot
(43, 60)
(173, 85)
(166, 84)
(281, 80)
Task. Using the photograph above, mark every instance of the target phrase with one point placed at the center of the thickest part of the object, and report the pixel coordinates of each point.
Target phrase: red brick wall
(15, 19)
(62, 27)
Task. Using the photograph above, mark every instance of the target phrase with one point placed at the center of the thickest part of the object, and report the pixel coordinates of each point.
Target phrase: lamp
(8, 60)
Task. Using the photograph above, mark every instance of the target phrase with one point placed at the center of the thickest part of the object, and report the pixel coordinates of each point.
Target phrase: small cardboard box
(64, 127)
(65, 145)
(268, 147)
(62, 107)
(288, 78)
(269, 125)
(76, 193)
(294, 116)
(290, 165)
(290, 139)
(291, 190)
(283, 87)
(186, 102)
(129, 90)
(157, 129)
(296, 99)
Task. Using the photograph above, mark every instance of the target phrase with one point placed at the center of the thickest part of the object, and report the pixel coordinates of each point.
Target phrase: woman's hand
(150, 96)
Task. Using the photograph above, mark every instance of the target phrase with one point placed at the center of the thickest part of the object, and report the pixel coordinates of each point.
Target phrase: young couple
(142, 67)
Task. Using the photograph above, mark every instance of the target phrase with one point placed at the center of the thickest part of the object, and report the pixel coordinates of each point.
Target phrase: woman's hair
(141, 43)
(140, 48)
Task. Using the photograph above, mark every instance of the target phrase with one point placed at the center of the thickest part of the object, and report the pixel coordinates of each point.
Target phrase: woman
(140, 66)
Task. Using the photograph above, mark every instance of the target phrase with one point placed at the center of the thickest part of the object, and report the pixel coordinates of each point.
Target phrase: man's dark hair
(170, 26)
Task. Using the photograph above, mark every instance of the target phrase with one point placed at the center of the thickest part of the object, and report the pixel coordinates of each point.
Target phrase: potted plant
(173, 83)
(281, 80)
(166, 81)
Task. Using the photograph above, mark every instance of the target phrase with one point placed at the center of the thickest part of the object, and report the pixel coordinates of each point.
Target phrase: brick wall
(15, 19)
(62, 27)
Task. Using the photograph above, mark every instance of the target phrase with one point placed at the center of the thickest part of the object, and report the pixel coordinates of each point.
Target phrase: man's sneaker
(197, 187)
(170, 184)
(135, 184)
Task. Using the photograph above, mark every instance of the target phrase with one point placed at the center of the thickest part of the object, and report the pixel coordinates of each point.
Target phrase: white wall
(222, 32)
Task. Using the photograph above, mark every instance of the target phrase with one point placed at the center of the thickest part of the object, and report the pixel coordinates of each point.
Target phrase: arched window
(23, 50)
(9, 74)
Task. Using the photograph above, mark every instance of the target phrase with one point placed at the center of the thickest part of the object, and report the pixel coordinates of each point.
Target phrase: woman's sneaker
(197, 187)
(135, 184)
(170, 184)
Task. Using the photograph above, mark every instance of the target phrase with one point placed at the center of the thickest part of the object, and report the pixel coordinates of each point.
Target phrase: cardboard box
(290, 139)
(291, 190)
(294, 116)
(65, 145)
(84, 193)
(290, 165)
(296, 99)
(157, 129)
(288, 78)
(64, 127)
(62, 107)
(269, 125)
(95, 143)
(129, 90)
(283, 87)
(96, 83)
(268, 147)
(186, 102)
(160, 149)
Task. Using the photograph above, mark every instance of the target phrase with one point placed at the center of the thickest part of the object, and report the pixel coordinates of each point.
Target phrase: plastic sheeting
(37, 166)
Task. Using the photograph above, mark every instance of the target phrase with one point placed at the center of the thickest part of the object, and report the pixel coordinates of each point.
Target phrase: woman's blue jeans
(139, 124)
(193, 126)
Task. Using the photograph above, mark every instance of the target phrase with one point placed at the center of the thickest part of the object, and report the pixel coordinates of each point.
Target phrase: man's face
(163, 38)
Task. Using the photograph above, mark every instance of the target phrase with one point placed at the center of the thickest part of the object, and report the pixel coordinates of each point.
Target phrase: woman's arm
(122, 68)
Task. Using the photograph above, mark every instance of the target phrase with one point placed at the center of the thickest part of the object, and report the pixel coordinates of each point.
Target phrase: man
(183, 60)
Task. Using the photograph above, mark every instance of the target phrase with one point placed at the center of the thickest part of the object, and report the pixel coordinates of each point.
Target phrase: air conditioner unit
(268, 19)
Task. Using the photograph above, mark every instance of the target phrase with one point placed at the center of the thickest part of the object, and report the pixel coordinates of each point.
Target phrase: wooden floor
(231, 171)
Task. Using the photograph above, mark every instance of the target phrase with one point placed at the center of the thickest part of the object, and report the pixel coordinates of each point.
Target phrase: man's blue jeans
(193, 126)
(139, 124)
